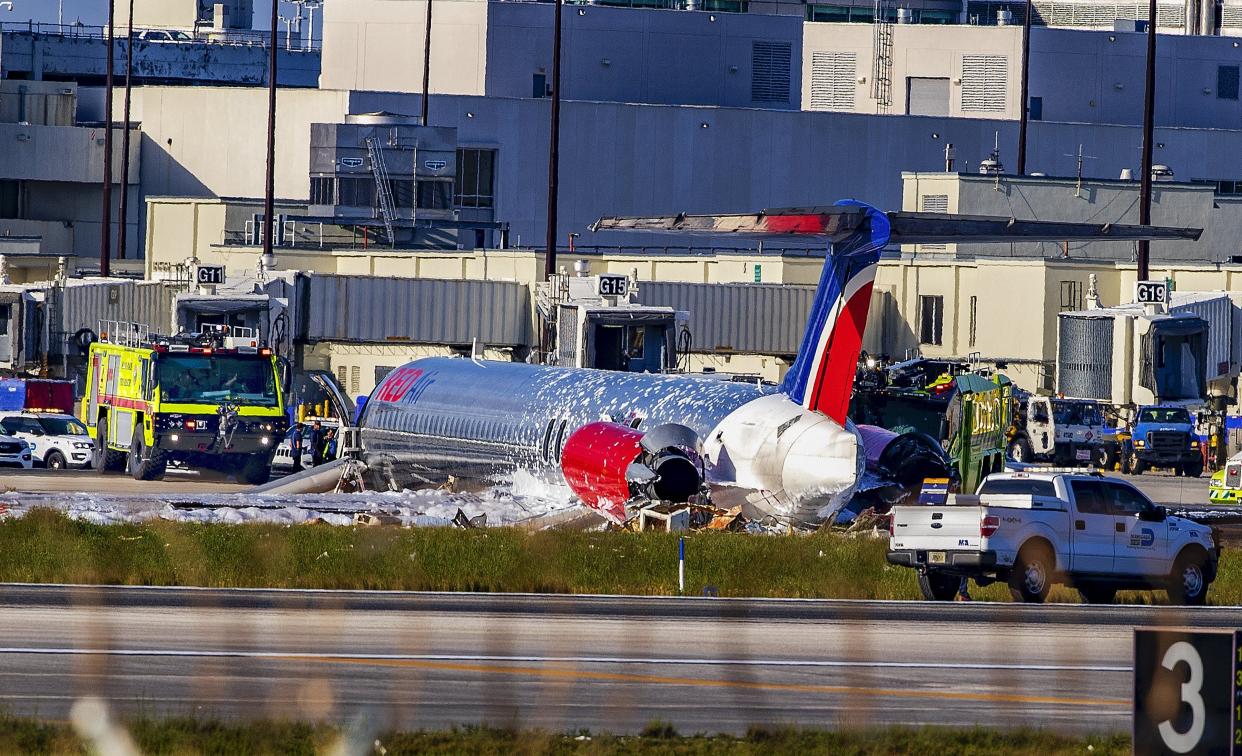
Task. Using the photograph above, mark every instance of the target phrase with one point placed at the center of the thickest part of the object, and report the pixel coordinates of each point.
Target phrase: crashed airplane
(623, 439)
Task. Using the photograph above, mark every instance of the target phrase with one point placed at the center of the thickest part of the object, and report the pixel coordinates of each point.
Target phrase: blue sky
(92, 12)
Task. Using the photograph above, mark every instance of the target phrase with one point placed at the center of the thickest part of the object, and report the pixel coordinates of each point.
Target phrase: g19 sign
(1187, 687)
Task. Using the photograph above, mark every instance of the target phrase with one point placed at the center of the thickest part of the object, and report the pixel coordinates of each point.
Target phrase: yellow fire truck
(210, 400)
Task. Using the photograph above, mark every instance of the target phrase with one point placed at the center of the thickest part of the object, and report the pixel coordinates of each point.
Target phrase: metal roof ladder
(383, 188)
(882, 51)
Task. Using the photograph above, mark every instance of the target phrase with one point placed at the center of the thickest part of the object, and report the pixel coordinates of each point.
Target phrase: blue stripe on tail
(845, 260)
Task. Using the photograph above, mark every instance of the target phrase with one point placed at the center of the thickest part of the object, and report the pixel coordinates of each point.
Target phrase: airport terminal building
(676, 110)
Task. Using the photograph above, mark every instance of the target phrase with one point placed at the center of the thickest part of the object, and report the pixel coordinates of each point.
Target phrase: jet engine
(609, 465)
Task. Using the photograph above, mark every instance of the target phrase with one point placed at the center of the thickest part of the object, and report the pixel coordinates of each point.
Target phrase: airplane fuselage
(481, 419)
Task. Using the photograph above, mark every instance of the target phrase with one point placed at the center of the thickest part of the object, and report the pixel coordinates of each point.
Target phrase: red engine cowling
(607, 465)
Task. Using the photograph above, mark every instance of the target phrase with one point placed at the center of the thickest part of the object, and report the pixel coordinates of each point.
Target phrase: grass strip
(46, 547)
(191, 736)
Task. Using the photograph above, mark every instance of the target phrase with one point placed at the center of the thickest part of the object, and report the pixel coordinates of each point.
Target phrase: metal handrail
(230, 37)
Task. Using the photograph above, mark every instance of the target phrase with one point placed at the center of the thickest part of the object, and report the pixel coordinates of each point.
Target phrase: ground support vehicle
(1163, 437)
(1064, 432)
(212, 400)
(1034, 529)
(966, 413)
(1226, 485)
(57, 441)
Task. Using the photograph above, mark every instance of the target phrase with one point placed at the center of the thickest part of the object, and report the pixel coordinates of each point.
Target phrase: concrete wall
(1016, 305)
(619, 159)
(1106, 68)
(1173, 204)
(918, 51)
(608, 54)
(378, 44)
(39, 103)
(210, 142)
(60, 153)
(160, 14)
(638, 55)
(83, 59)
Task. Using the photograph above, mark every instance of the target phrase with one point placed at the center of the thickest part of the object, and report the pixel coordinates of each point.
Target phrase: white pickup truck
(1032, 529)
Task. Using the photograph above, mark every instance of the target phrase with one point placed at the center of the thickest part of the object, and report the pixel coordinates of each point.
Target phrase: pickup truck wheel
(1020, 450)
(1092, 593)
(937, 586)
(1031, 576)
(1188, 584)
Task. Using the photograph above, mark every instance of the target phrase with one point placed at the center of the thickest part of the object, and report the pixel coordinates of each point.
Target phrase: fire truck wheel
(256, 469)
(106, 460)
(145, 463)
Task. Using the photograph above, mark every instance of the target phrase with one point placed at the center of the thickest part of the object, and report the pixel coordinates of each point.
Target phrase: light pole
(1149, 117)
(270, 187)
(549, 262)
(123, 231)
(426, 62)
(105, 240)
(1024, 103)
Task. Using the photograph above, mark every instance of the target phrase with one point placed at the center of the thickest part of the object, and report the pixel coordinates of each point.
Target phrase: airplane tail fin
(822, 376)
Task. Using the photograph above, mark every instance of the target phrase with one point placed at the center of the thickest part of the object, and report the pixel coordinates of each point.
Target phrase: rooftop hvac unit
(1004, 18)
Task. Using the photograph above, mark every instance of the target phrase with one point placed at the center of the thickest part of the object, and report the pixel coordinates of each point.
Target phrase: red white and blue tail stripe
(822, 377)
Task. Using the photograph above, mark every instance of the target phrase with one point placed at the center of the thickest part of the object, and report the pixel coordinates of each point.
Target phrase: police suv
(1036, 528)
(56, 441)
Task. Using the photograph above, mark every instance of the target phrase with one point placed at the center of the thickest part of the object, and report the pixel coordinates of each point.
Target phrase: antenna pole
(1149, 117)
(426, 62)
(105, 240)
(123, 231)
(549, 263)
(270, 189)
(1023, 108)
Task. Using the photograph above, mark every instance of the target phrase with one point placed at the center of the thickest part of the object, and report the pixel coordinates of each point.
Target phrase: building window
(931, 320)
(974, 318)
(10, 207)
(539, 85)
(434, 195)
(1071, 295)
(381, 372)
(769, 71)
(476, 178)
(323, 190)
(355, 379)
(1227, 82)
(1035, 110)
(355, 192)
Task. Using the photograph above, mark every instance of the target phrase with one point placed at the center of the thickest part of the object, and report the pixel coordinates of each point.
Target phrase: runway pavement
(379, 660)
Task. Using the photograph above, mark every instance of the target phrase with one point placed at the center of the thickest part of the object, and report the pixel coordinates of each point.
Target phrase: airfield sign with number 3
(1187, 692)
